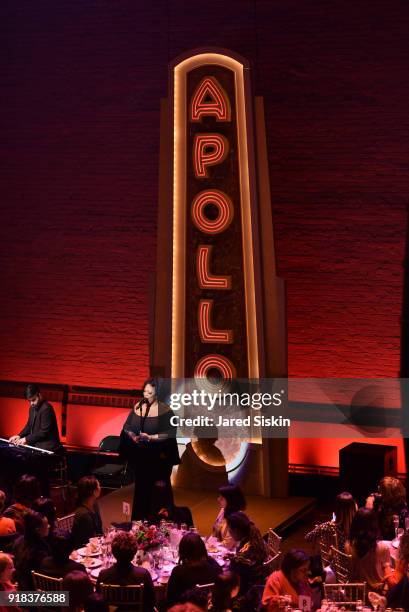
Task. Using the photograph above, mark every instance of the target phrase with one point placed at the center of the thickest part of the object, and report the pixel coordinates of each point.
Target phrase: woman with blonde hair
(6, 574)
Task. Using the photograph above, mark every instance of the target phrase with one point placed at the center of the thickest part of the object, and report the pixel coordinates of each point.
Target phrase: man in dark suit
(123, 572)
(41, 429)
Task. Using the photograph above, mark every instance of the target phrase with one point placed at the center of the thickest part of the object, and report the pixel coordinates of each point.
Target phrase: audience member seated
(6, 575)
(87, 520)
(80, 589)
(26, 491)
(401, 563)
(370, 557)
(7, 525)
(195, 567)
(31, 548)
(389, 501)
(345, 510)
(231, 499)
(46, 507)
(226, 588)
(286, 585)
(59, 564)
(124, 547)
(251, 552)
(398, 596)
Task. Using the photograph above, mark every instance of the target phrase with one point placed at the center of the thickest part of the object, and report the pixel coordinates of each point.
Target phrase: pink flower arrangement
(148, 538)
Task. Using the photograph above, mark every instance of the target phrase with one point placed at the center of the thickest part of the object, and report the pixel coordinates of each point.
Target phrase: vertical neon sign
(214, 315)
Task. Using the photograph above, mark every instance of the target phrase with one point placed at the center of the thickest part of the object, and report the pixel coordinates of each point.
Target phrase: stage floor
(277, 513)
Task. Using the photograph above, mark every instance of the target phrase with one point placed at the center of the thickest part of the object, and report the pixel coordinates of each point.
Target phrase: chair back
(272, 564)
(341, 563)
(66, 522)
(326, 540)
(116, 595)
(110, 444)
(46, 583)
(273, 542)
(345, 595)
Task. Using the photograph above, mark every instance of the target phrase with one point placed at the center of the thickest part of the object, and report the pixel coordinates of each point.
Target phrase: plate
(90, 563)
(84, 552)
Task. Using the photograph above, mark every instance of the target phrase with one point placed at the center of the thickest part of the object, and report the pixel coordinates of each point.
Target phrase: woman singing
(148, 441)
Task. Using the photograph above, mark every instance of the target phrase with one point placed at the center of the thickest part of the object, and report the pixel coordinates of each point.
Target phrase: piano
(18, 460)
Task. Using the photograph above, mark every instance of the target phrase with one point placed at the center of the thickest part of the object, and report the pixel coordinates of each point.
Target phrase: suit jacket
(41, 429)
(86, 525)
(129, 574)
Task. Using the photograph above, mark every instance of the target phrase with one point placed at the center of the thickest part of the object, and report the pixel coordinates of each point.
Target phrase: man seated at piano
(41, 430)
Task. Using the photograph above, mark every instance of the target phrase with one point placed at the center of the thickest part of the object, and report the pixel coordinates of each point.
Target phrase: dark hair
(124, 547)
(292, 560)
(192, 548)
(240, 523)
(364, 531)
(234, 497)
(224, 584)
(46, 507)
(393, 493)
(345, 510)
(61, 546)
(152, 382)
(86, 487)
(31, 391)
(32, 521)
(79, 586)
(27, 489)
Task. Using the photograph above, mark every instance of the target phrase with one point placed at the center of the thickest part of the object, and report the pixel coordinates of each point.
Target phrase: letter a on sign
(210, 99)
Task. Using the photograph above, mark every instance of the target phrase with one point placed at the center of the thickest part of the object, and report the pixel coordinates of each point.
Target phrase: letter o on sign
(225, 211)
(214, 362)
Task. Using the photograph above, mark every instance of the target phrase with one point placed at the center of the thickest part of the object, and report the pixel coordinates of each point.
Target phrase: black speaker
(361, 467)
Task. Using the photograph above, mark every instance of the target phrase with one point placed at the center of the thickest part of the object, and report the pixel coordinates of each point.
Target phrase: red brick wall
(79, 166)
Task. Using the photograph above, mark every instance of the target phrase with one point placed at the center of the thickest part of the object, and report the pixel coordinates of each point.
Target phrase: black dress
(151, 461)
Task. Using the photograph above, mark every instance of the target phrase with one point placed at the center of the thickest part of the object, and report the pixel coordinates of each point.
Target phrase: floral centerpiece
(148, 537)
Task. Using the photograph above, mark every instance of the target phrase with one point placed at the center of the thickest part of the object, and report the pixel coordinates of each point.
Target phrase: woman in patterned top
(345, 510)
(251, 551)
